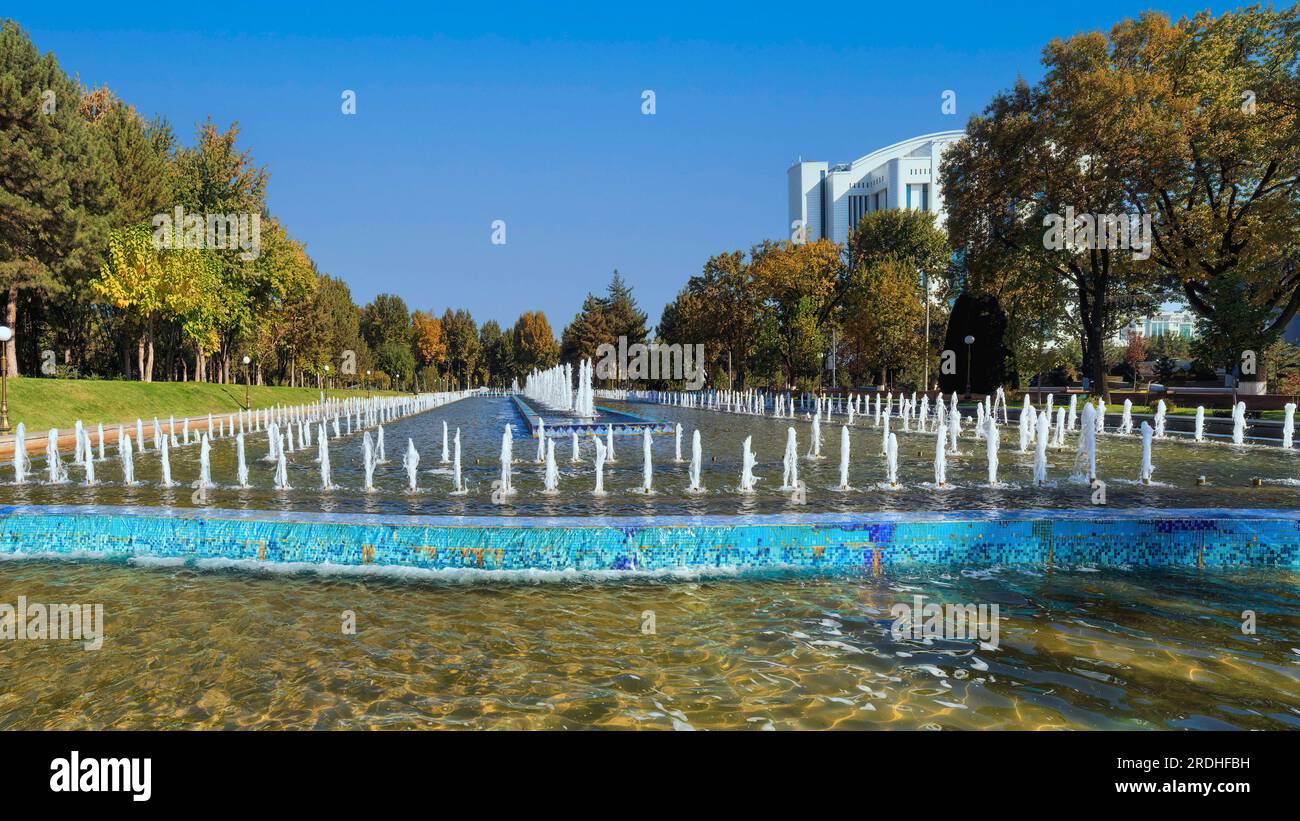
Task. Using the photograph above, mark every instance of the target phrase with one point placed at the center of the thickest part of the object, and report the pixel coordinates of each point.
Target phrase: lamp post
(6, 334)
(327, 376)
(247, 378)
(969, 340)
(367, 384)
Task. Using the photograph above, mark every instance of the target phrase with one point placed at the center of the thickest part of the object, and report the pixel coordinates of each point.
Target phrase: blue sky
(531, 113)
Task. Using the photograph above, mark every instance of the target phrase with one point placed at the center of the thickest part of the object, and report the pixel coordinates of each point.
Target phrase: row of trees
(103, 276)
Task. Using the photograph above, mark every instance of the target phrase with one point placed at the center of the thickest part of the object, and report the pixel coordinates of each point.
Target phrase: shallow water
(193, 648)
(1178, 463)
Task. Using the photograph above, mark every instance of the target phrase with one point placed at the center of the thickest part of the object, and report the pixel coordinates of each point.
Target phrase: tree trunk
(11, 319)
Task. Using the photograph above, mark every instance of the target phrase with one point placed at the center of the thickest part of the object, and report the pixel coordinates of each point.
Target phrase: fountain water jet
(1145, 471)
(411, 461)
(600, 469)
(696, 456)
(368, 462)
(56, 473)
(844, 454)
(21, 463)
(165, 463)
(647, 469)
(241, 466)
(205, 462)
(891, 460)
(552, 479)
(1239, 423)
(789, 462)
(128, 466)
(747, 466)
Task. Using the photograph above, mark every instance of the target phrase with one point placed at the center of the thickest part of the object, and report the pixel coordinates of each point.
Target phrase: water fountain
(789, 462)
(1144, 473)
(677, 442)
(101, 441)
(1040, 450)
(165, 463)
(78, 449)
(380, 457)
(696, 457)
(21, 463)
(600, 469)
(1160, 419)
(991, 447)
(507, 445)
(844, 452)
(282, 469)
(609, 444)
(747, 466)
(241, 466)
(128, 466)
(90, 458)
(1239, 423)
(139, 434)
(815, 451)
(1200, 423)
(324, 458)
(573, 453)
(368, 462)
(1126, 420)
(647, 469)
(56, 473)
(205, 462)
(1085, 457)
(954, 430)
(940, 460)
(551, 482)
(446, 453)
(1074, 409)
(891, 460)
(1288, 424)
(411, 462)
(541, 441)
(457, 486)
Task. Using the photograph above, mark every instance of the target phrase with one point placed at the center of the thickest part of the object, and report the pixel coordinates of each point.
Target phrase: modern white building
(828, 200)
(1173, 320)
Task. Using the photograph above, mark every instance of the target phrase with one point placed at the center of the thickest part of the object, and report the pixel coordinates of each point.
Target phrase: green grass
(42, 403)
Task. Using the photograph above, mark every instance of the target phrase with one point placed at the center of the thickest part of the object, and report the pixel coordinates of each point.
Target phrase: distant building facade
(1180, 322)
(827, 201)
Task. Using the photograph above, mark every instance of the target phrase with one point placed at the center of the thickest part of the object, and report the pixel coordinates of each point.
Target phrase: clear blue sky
(531, 113)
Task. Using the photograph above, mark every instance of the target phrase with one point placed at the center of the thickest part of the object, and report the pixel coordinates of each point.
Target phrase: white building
(1172, 321)
(829, 200)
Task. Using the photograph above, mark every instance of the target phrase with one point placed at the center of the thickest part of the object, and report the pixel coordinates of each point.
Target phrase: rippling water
(194, 648)
(1179, 462)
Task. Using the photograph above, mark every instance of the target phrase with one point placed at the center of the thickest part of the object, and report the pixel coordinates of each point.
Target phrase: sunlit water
(222, 649)
(1179, 462)
(204, 648)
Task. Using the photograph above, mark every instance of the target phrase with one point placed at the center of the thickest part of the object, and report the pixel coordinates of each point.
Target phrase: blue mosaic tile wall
(1181, 538)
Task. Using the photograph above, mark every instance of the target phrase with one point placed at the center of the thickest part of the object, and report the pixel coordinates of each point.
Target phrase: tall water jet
(551, 482)
(282, 470)
(1074, 410)
(324, 458)
(241, 466)
(1040, 449)
(101, 441)
(815, 449)
(90, 459)
(954, 430)
(600, 469)
(1160, 419)
(139, 434)
(1144, 472)
(128, 465)
(940, 457)
(446, 453)
(696, 456)
(1288, 424)
(1101, 415)
(647, 469)
(78, 450)
(380, 456)
(573, 454)
(1126, 420)
(1059, 441)
(991, 443)
(165, 463)
(891, 460)
(789, 462)
(747, 466)
(205, 462)
(55, 471)
(844, 454)
(1085, 457)
(507, 446)
(1200, 423)
(541, 441)
(411, 461)
(1239, 423)
(368, 462)
(609, 444)
(677, 442)
(457, 486)
(21, 462)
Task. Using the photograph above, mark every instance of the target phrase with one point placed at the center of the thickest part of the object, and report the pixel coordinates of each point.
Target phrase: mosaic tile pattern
(1129, 538)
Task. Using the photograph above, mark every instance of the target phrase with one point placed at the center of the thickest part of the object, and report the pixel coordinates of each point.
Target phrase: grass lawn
(42, 403)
